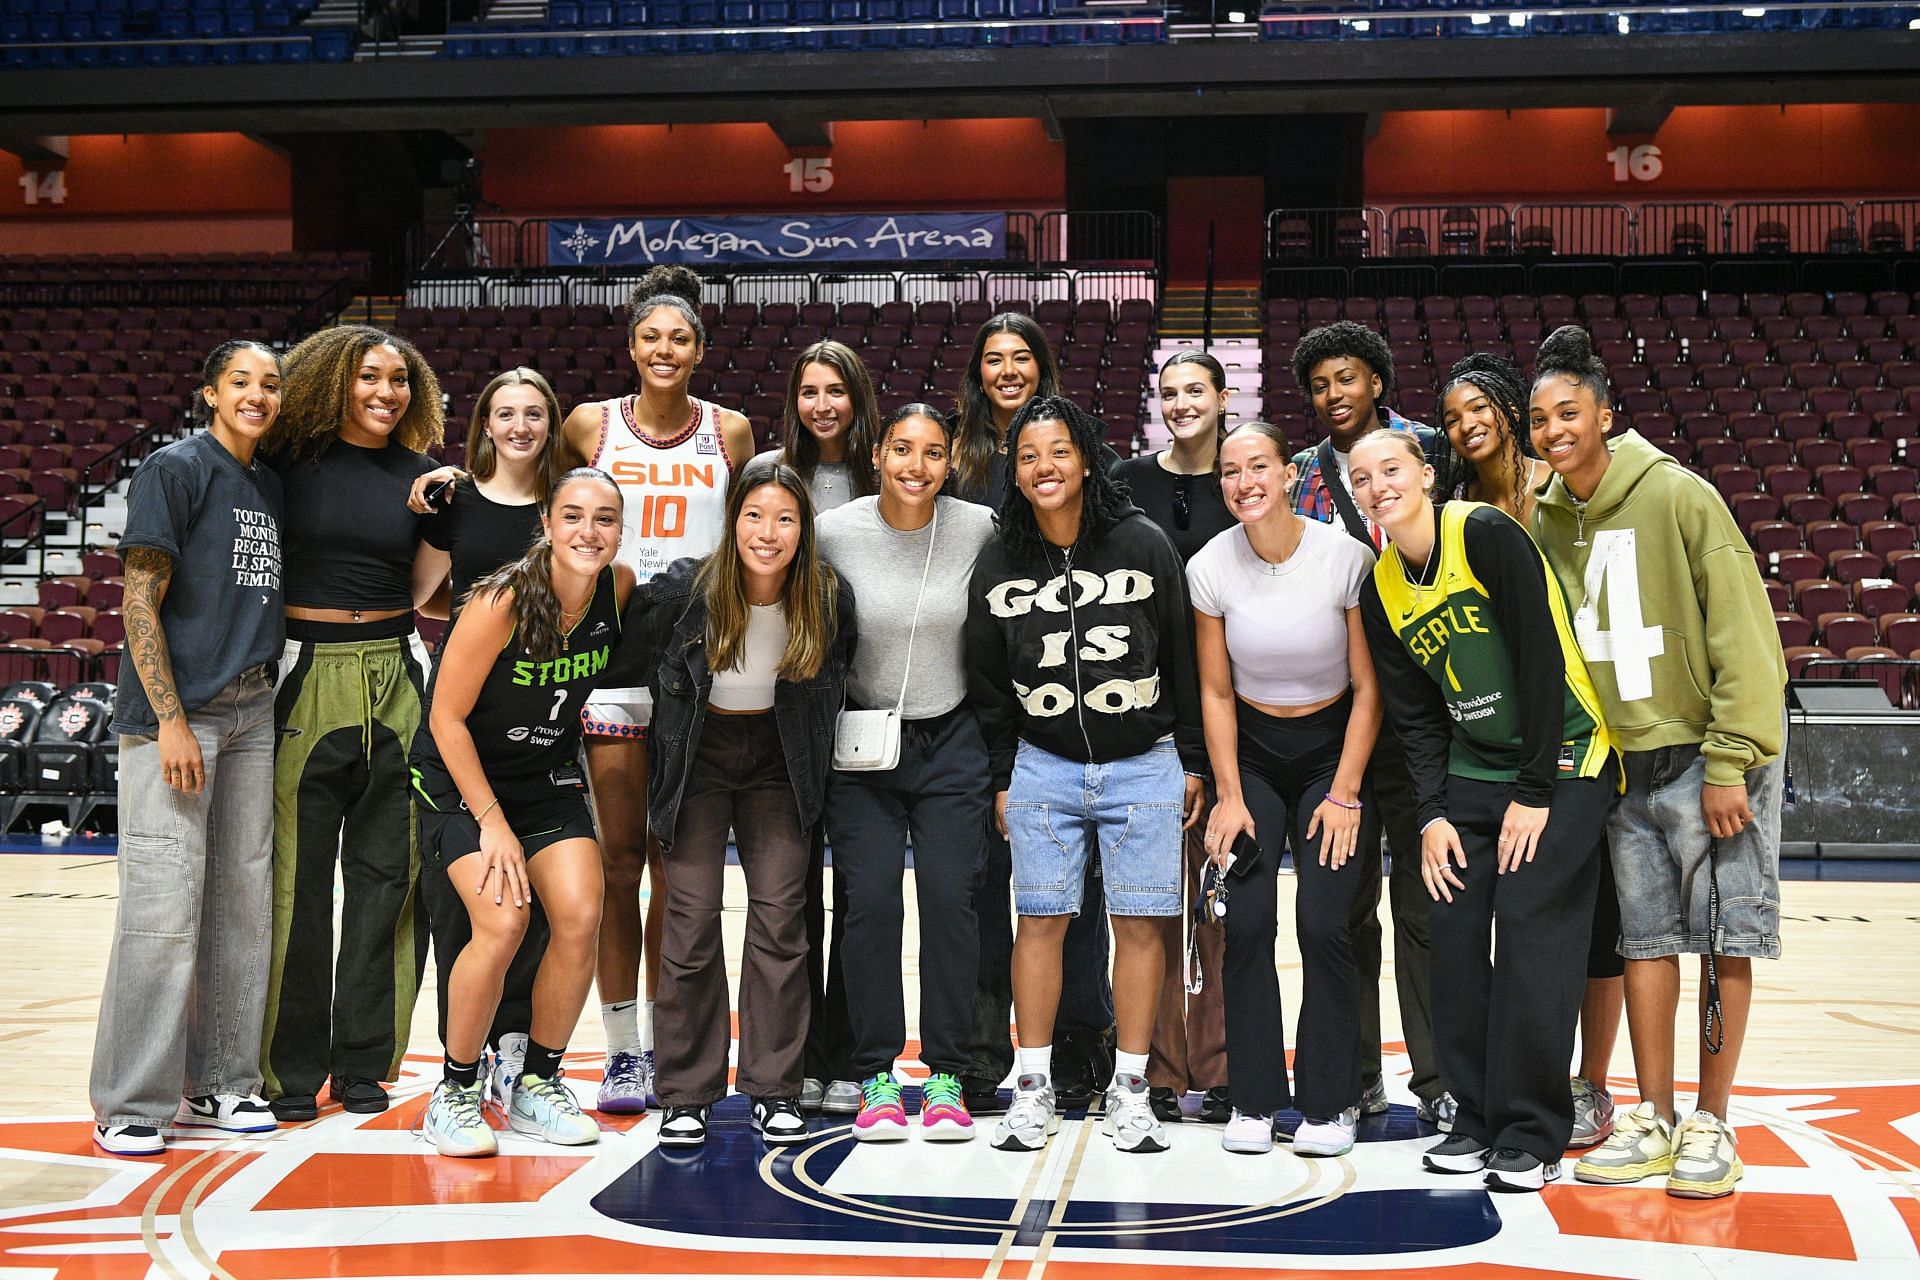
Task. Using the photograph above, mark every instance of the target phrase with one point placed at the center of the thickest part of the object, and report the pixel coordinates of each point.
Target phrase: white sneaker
(546, 1109)
(227, 1112)
(841, 1097)
(129, 1139)
(1249, 1135)
(1331, 1137)
(1031, 1119)
(1130, 1121)
(504, 1075)
(454, 1124)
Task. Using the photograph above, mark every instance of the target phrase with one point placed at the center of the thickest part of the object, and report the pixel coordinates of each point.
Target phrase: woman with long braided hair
(1483, 408)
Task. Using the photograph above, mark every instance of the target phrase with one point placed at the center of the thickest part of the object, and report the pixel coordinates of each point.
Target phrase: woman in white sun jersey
(673, 457)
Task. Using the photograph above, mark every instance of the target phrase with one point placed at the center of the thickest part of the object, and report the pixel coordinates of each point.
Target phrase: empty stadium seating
(915, 352)
(61, 34)
(1819, 459)
(56, 754)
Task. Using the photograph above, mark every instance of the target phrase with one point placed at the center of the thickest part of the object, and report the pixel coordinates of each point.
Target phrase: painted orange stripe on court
(571, 1255)
(1755, 1221)
(339, 1181)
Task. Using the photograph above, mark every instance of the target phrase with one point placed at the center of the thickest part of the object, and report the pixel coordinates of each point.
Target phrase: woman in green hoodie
(1679, 637)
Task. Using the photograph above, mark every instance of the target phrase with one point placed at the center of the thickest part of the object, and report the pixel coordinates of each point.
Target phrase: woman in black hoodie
(1081, 671)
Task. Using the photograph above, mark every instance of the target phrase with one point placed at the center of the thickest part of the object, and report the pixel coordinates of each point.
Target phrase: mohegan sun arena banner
(865, 237)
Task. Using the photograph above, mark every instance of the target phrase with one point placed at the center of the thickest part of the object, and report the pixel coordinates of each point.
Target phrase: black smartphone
(1246, 855)
(440, 495)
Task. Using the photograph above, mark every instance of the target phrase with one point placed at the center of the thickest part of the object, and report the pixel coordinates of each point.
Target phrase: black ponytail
(1568, 351)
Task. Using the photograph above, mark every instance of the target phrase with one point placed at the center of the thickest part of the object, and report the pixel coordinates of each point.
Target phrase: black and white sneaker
(227, 1112)
(1509, 1169)
(684, 1127)
(1456, 1153)
(129, 1139)
(779, 1121)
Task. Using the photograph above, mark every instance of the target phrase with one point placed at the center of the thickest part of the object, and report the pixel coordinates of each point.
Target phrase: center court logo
(1829, 1192)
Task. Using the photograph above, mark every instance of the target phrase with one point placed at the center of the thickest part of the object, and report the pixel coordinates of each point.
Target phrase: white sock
(623, 1032)
(1035, 1062)
(646, 1026)
(1130, 1064)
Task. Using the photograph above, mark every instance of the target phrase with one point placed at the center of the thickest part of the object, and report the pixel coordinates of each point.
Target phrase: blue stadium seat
(294, 51)
(563, 15)
(332, 46)
(596, 16)
(630, 16)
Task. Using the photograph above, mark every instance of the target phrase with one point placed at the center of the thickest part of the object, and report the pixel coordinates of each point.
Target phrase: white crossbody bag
(864, 740)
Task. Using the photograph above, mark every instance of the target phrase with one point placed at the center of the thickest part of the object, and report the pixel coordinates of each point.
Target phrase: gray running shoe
(1373, 1100)
(841, 1098)
(812, 1093)
(1510, 1169)
(1439, 1113)
(1456, 1153)
(1130, 1121)
(1592, 1114)
(1031, 1120)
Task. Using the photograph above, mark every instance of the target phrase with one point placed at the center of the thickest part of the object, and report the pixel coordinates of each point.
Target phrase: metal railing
(1898, 678)
(1604, 230)
(1770, 228)
(952, 285)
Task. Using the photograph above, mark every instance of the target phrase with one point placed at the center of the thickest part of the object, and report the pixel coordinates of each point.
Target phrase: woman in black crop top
(488, 518)
(360, 407)
(503, 804)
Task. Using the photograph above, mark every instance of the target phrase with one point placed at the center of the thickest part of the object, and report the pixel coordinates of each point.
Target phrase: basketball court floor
(1829, 1124)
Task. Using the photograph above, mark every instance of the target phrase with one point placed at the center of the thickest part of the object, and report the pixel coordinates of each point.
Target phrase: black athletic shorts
(449, 833)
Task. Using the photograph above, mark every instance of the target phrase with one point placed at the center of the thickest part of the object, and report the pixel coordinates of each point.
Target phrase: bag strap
(1342, 500)
(933, 530)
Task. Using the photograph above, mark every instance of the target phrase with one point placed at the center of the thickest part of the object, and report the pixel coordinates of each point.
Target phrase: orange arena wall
(150, 193)
(1709, 153)
(887, 165)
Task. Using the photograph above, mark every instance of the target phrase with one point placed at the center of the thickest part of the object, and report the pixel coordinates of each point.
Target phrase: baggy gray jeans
(187, 981)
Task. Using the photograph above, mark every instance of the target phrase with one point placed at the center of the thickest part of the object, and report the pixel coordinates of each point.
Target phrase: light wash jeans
(187, 982)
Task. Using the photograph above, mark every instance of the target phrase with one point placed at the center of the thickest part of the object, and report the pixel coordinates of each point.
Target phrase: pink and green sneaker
(882, 1118)
(943, 1112)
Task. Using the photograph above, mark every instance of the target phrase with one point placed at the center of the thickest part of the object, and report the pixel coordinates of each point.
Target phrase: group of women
(1068, 660)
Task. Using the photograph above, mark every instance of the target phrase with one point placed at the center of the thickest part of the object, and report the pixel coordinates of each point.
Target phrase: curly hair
(1343, 338)
(974, 442)
(1104, 502)
(1568, 351)
(667, 286)
(316, 393)
(1497, 379)
(798, 447)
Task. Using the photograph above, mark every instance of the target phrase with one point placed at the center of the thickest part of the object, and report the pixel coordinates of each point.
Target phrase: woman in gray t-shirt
(909, 553)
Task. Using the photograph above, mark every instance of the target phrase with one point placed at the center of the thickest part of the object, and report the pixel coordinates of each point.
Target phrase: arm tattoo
(147, 574)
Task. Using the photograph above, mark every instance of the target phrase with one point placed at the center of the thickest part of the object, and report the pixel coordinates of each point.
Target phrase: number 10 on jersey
(660, 515)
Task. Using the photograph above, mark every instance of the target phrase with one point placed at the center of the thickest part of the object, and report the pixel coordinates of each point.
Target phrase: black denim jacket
(664, 646)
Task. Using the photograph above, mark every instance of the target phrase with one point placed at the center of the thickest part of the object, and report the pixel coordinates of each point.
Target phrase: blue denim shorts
(1060, 810)
(1665, 876)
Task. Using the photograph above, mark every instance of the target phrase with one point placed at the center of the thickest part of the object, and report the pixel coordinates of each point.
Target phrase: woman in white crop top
(1291, 710)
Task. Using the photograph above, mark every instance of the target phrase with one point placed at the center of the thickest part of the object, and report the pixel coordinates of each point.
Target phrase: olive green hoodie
(1669, 610)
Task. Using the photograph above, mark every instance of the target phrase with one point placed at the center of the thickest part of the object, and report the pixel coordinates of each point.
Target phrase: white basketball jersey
(675, 490)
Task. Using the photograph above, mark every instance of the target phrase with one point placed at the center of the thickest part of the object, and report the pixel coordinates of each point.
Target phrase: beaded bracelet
(1355, 806)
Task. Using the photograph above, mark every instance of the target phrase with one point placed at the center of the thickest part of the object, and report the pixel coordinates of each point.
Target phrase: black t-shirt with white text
(219, 522)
